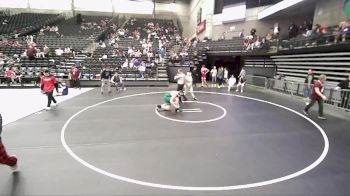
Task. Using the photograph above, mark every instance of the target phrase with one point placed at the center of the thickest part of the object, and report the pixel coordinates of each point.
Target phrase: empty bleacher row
(26, 22)
(234, 45)
(78, 43)
(259, 62)
(295, 67)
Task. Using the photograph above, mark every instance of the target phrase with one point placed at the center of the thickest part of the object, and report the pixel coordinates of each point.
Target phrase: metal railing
(336, 97)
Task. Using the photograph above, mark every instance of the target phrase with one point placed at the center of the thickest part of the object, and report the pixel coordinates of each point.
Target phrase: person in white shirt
(241, 80)
(142, 69)
(213, 73)
(230, 83)
(225, 75)
(130, 52)
(138, 54)
(59, 52)
(188, 85)
(180, 77)
(125, 65)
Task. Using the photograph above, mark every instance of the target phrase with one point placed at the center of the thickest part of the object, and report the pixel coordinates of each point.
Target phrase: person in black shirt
(106, 75)
(345, 93)
(195, 76)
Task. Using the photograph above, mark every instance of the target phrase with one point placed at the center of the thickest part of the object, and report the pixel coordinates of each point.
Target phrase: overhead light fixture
(277, 7)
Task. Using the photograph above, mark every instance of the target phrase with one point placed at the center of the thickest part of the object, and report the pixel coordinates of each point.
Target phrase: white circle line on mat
(198, 188)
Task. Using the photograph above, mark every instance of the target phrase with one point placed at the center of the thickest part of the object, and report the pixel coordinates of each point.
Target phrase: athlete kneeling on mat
(171, 98)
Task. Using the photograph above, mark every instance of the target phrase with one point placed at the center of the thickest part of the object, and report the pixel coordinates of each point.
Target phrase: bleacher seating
(335, 65)
(26, 22)
(235, 44)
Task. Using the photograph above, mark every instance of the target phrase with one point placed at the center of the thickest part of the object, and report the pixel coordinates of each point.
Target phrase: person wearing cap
(74, 76)
(48, 85)
(10, 160)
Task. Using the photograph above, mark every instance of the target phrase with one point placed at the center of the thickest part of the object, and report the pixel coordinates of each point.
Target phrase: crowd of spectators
(153, 40)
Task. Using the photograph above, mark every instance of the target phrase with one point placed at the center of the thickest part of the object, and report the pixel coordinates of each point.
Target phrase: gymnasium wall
(262, 26)
(329, 12)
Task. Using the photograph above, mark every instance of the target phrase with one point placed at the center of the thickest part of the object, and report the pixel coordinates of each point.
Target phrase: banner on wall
(201, 27)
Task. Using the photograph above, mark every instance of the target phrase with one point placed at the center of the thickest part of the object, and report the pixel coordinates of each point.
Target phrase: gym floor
(224, 144)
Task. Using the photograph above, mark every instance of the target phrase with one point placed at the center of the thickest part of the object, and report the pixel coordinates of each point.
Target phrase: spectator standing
(204, 72)
(74, 76)
(213, 73)
(221, 77)
(317, 96)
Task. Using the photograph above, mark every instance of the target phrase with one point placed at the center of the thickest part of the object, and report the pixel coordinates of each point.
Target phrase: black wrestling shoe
(178, 110)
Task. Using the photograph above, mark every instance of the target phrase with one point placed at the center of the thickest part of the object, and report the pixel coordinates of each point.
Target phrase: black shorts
(180, 87)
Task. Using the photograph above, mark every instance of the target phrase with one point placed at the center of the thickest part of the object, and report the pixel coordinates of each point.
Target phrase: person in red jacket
(4, 157)
(48, 84)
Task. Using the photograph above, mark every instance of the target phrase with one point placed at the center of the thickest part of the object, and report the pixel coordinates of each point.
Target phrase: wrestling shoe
(306, 113)
(159, 107)
(178, 110)
(321, 117)
(47, 108)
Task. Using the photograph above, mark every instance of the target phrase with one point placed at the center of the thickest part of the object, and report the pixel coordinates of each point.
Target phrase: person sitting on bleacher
(31, 52)
(46, 51)
(59, 52)
(131, 52)
(138, 54)
(125, 65)
(10, 76)
(345, 29)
